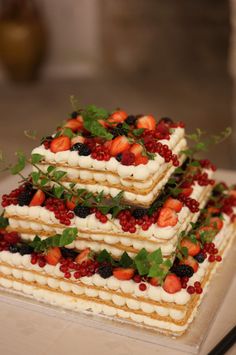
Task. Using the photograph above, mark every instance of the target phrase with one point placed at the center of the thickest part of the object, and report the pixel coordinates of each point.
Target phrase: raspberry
(128, 158)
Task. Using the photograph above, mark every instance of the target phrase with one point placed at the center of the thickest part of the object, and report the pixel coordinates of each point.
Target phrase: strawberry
(108, 144)
(118, 116)
(38, 198)
(85, 255)
(73, 124)
(212, 210)
(60, 144)
(119, 145)
(172, 283)
(232, 193)
(167, 217)
(154, 281)
(53, 256)
(77, 139)
(70, 204)
(190, 261)
(173, 203)
(187, 191)
(128, 158)
(193, 248)
(123, 274)
(147, 122)
(136, 149)
(141, 159)
(208, 230)
(216, 223)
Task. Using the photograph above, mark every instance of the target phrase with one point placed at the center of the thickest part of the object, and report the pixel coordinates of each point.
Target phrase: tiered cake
(117, 218)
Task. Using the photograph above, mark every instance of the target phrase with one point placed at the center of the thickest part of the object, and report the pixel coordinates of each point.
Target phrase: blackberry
(76, 146)
(119, 157)
(68, 253)
(46, 139)
(139, 213)
(84, 150)
(166, 120)
(117, 131)
(74, 114)
(82, 211)
(25, 197)
(13, 249)
(24, 249)
(131, 119)
(105, 271)
(183, 270)
(199, 257)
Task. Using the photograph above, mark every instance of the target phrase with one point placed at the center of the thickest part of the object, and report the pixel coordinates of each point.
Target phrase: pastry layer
(29, 221)
(154, 307)
(141, 184)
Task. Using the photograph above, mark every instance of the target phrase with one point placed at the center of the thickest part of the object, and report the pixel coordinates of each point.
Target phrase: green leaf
(97, 129)
(3, 222)
(125, 260)
(16, 169)
(44, 181)
(155, 257)
(58, 191)
(184, 251)
(141, 262)
(58, 240)
(194, 163)
(58, 174)
(35, 177)
(104, 256)
(137, 132)
(36, 158)
(68, 132)
(30, 134)
(50, 169)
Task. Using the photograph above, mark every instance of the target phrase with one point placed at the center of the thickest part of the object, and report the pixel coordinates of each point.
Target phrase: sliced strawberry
(173, 203)
(70, 204)
(216, 223)
(38, 198)
(141, 159)
(85, 255)
(60, 144)
(118, 116)
(233, 193)
(73, 124)
(147, 122)
(123, 274)
(119, 145)
(108, 144)
(190, 261)
(53, 256)
(207, 230)
(213, 210)
(167, 217)
(154, 281)
(172, 283)
(77, 139)
(187, 191)
(136, 149)
(193, 248)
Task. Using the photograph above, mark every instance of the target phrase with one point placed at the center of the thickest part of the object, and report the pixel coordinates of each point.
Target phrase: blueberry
(199, 257)
(74, 114)
(25, 249)
(13, 248)
(84, 150)
(119, 157)
(76, 146)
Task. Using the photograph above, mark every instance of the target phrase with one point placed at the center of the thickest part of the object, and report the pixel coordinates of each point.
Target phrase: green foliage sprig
(59, 240)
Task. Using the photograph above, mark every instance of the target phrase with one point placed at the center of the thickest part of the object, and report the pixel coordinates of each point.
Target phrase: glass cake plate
(190, 342)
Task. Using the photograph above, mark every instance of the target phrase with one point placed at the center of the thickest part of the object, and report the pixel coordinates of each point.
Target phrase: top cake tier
(133, 154)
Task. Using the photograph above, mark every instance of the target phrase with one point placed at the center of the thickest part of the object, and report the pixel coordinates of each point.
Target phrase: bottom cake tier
(151, 307)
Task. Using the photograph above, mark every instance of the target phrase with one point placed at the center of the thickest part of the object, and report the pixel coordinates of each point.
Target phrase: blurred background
(169, 58)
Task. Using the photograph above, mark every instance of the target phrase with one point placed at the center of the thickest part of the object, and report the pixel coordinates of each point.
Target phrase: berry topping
(127, 158)
(117, 131)
(77, 139)
(136, 149)
(76, 147)
(73, 124)
(167, 217)
(119, 145)
(130, 120)
(13, 249)
(154, 281)
(83, 256)
(191, 290)
(183, 270)
(141, 159)
(38, 199)
(119, 157)
(105, 271)
(74, 114)
(193, 248)
(118, 116)
(84, 150)
(68, 253)
(139, 213)
(173, 203)
(47, 141)
(123, 274)
(60, 144)
(147, 122)
(190, 261)
(24, 249)
(70, 204)
(166, 120)
(82, 211)
(200, 257)
(25, 197)
(172, 283)
(53, 256)
(216, 223)
(142, 287)
(187, 191)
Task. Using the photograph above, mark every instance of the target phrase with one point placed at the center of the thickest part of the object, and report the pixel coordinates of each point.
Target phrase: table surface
(24, 331)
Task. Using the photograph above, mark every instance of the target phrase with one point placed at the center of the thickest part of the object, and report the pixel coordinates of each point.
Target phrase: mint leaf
(3, 222)
(58, 191)
(58, 175)
(155, 257)
(68, 132)
(141, 262)
(16, 169)
(137, 132)
(50, 169)
(59, 240)
(36, 158)
(104, 256)
(35, 177)
(125, 260)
